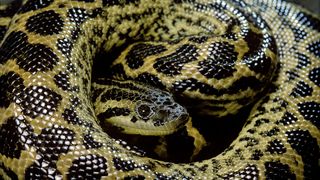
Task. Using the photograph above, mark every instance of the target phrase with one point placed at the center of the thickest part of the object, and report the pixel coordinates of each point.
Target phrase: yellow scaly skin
(48, 128)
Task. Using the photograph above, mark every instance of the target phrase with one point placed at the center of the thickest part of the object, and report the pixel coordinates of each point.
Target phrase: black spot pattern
(292, 75)
(96, 93)
(303, 60)
(14, 134)
(253, 40)
(198, 39)
(261, 64)
(127, 165)
(85, 1)
(78, 15)
(276, 147)
(88, 167)
(54, 141)
(45, 23)
(111, 112)
(220, 62)
(269, 133)
(37, 57)
(307, 147)
(118, 95)
(251, 131)
(277, 170)
(193, 85)
(30, 57)
(308, 20)
(62, 81)
(250, 141)
(314, 48)
(11, 85)
(38, 100)
(117, 2)
(75, 33)
(172, 64)
(161, 176)
(75, 101)
(71, 117)
(298, 33)
(260, 122)
(137, 54)
(283, 10)
(43, 169)
(90, 143)
(257, 154)
(150, 79)
(116, 71)
(245, 83)
(283, 103)
(204, 167)
(8, 172)
(35, 5)
(287, 119)
(301, 90)
(50, 143)
(97, 30)
(64, 46)
(249, 172)
(134, 119)
(13, 42)
(311, 112)
(124, 165)
(314, 76)
(137, 177)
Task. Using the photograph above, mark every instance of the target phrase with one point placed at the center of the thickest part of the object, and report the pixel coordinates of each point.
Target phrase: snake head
(160, 113)
(139, 109)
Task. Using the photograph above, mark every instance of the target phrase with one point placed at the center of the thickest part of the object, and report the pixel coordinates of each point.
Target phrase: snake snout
(171, 115)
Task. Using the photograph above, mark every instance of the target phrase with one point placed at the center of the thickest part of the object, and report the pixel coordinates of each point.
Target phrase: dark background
(312, 5)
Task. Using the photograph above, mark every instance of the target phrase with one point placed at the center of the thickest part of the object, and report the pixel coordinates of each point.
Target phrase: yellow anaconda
(214, 56)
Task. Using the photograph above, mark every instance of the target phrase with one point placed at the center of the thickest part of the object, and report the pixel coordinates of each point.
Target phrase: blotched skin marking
(47, 123)
(38, 23)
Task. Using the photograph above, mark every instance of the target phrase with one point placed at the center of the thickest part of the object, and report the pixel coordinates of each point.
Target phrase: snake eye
(144, 111)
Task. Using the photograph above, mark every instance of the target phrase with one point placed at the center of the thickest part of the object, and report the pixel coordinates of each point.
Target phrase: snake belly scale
(48, 127)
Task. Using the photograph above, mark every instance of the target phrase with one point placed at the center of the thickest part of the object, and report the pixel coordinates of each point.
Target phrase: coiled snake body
(216, 54)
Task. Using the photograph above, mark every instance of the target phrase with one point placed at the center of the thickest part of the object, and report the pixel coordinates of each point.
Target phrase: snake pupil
(144, 111)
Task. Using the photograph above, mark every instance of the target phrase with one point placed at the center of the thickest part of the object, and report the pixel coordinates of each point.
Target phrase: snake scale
(48, 126)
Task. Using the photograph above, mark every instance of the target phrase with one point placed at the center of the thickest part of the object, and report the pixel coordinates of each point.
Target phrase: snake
(215, 57)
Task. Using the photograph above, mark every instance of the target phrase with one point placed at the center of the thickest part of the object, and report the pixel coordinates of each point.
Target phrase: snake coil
(219, 54)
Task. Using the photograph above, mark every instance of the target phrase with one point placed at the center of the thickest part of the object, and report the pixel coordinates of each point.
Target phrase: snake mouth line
(144, 130)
